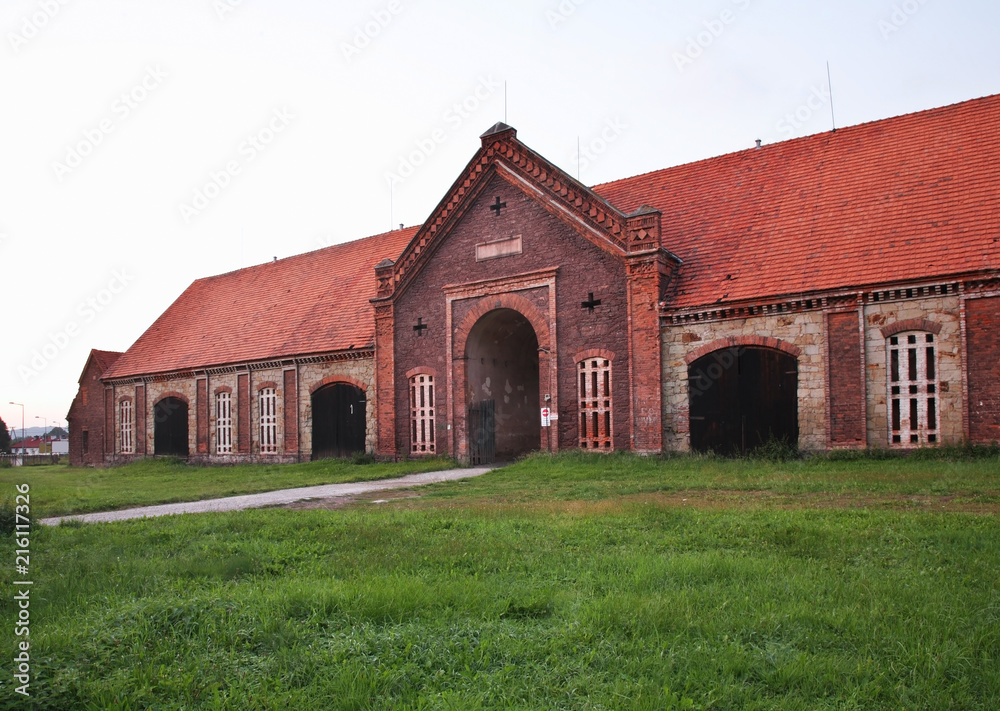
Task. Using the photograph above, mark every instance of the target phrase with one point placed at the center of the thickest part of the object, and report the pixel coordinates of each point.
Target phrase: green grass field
(574, 582)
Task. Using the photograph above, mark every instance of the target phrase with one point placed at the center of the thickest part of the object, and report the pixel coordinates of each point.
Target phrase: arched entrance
(170, 427)
(502, 392)
(339, 421)
(741, 398)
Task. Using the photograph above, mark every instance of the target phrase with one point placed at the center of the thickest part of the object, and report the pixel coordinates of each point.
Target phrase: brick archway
(542, 385)
(332, 379)
(745, 341)
(514, 302)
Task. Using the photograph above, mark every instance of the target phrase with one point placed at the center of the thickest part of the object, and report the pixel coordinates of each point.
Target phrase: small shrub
(775, 450)
(363, 458)
(8, 516)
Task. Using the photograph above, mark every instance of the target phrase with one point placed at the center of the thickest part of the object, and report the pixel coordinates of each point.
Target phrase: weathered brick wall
(848, 421)
(942, 310)
(547, 242)
(88, 414)
(803, 330)
(983, 337)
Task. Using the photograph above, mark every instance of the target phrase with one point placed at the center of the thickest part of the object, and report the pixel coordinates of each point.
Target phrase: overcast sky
(147, 144)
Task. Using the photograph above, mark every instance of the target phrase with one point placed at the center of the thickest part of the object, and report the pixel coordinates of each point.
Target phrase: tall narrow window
(422, 414)
(224, 423)
(127, 438)
(268, 402)
(595, 404)
(913, 389)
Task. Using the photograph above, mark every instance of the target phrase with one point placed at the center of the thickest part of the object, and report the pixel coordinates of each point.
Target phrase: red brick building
(88, 445)
(839, 290)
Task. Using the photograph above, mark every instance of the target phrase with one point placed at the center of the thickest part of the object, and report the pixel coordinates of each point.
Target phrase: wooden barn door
(339, 421)
(742, 398)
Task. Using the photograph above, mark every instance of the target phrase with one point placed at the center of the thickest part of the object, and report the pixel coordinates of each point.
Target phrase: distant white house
(60, 446)
(31, 445)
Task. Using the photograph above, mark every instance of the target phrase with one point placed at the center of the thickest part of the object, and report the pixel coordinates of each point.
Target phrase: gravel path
(273, 498)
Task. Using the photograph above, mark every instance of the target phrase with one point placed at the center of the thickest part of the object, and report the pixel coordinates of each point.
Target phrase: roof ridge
(309, 253)
(798, 139)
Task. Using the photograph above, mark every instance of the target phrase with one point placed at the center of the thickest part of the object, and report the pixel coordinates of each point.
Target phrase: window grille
(268, 402)
(913, 389)
(595, 404)
(422, 414)
(127, 438)
(224, 423)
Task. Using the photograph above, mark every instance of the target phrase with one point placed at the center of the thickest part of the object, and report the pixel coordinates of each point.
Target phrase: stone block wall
(914, 314)
(803, 331)
(293, 386)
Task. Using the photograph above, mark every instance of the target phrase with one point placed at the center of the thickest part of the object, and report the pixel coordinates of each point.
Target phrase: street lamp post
(42, 441)
(22, 425)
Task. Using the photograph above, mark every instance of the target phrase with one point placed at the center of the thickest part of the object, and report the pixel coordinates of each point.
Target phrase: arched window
(422, 414)
(126, 422)
(224, 422)
(267, 400)
(913, 389)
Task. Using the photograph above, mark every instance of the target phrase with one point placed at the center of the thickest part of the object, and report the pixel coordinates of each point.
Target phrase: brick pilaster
(647, 275)
(385, 381)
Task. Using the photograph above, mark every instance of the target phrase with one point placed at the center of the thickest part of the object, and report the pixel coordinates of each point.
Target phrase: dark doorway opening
(170, 427)
(742, 398)
(502, 357)
(482, 432)
(339, 421)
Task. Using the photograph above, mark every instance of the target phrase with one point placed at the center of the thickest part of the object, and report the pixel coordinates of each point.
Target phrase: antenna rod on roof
(392, 220)
(833, 116)
(505, 101)
(578, 158)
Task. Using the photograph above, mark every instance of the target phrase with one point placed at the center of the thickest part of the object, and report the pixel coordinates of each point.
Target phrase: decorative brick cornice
(340, 356)
(334, 379)
(820, 301)
(744, 341)
(502, 154)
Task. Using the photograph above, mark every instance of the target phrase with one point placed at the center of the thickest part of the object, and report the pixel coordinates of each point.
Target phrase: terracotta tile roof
(102, 361)
(901, 199)
(311, 303)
